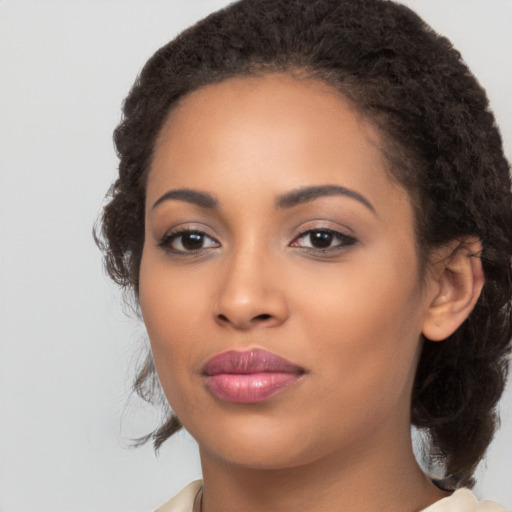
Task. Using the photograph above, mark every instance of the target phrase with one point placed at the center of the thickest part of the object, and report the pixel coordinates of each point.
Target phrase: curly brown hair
(442, 145)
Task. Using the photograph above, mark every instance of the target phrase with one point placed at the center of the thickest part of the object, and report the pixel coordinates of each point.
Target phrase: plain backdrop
(67, 349)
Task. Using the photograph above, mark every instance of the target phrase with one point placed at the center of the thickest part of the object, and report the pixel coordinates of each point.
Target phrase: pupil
(192, 241)
(321, 239)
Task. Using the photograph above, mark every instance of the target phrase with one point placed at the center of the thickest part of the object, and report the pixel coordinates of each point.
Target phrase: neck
(362, 479)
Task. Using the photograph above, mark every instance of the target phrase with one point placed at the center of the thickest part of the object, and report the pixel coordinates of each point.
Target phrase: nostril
(264, 316)
(258, 318)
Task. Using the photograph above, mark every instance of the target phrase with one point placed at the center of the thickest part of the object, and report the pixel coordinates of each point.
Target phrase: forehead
(271, 133)
(268, 100)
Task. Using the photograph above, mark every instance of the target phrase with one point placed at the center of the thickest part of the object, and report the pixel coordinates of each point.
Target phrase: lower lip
(249, 388)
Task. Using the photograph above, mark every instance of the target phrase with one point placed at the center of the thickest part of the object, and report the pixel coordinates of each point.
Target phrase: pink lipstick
(249, 376)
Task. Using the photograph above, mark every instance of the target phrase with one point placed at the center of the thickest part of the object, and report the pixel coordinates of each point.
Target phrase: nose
(250, 294)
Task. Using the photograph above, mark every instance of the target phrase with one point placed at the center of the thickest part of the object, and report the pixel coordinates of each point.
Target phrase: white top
(462, 500)
(184, 500)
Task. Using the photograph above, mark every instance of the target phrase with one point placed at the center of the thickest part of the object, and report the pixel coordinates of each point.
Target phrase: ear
(456, 279)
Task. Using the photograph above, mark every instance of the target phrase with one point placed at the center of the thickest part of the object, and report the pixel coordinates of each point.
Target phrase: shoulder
(463, 500)
(184, 500)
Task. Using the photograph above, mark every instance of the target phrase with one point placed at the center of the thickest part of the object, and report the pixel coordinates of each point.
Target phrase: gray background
(67, 349)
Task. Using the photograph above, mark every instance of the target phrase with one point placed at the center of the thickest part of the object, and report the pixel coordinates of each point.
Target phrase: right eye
(187, 241)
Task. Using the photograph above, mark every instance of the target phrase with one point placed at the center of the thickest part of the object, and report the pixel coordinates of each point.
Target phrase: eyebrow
(306, 194)
(202, 199)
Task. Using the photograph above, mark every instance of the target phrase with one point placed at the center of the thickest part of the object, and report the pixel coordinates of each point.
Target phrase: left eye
(188, 241)
(322, 239)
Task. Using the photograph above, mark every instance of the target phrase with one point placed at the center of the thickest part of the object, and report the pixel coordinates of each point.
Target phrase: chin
(258, 444)
(266, 457)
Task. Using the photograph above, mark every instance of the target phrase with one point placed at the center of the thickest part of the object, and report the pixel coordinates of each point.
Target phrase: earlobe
(457, 279)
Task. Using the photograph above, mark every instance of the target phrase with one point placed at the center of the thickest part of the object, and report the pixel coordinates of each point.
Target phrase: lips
(250, 376)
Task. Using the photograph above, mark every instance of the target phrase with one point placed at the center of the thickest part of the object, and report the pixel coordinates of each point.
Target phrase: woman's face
(280, 282)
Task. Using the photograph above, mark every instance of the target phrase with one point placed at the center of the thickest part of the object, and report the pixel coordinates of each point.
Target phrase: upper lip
(245, 362)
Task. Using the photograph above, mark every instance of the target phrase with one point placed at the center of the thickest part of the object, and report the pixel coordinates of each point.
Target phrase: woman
(313, 211)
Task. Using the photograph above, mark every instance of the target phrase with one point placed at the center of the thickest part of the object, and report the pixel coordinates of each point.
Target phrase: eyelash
(168, 239)
(344, 240)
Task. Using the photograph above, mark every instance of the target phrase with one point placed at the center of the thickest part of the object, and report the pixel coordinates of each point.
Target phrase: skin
(351, 316)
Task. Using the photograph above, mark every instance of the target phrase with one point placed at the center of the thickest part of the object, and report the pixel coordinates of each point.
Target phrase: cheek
(366, 320)
(172, 317)
(373, 291)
